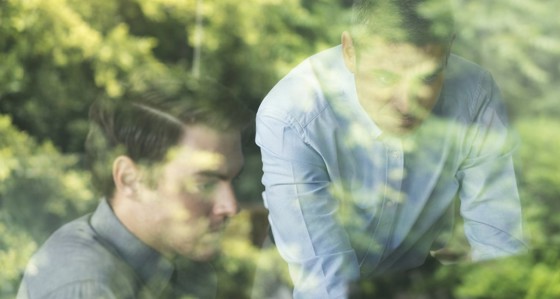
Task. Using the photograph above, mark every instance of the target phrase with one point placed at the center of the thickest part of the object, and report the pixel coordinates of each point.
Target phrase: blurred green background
(57, 56)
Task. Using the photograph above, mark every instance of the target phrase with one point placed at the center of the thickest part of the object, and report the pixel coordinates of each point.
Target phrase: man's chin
(399, 130)
(200, 252)
(207, 249)
(205, 255)
(402, 126)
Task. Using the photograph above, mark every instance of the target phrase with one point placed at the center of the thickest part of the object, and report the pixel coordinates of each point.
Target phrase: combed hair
(145, 125)
(419, 22)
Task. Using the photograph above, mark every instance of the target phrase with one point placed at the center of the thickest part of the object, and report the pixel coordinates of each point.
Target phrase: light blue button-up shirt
(343, 198)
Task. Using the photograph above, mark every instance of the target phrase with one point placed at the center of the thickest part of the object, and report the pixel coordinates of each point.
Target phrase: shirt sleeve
(86, 289)
(490, 202)
(83, 290)
(302, 211)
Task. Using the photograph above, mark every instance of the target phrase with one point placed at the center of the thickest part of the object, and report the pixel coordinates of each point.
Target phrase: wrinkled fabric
(346, 201)
(95, 256)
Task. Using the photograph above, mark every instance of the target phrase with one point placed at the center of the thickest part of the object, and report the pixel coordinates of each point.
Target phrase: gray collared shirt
(95, 256)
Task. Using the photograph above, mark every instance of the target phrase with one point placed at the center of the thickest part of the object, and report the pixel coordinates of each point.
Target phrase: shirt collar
(146, 262)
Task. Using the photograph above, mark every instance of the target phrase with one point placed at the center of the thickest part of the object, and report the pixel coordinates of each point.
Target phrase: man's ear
(348, 51)
(125, 176)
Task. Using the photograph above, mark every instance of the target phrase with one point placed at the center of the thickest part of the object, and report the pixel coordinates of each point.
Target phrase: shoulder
(300, 95)
(464, 70)
(80, 289)
(74, 256)
(468, 88)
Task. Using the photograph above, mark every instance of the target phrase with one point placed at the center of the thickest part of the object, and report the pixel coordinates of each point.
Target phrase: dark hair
(419, 22)
(145, 125)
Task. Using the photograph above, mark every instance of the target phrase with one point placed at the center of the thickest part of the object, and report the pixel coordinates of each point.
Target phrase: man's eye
(200, 187)
(385, 78)
(430, 78)
(205, 187)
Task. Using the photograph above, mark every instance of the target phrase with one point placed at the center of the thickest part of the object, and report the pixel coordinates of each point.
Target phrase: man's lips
(217, 226)
(409, 122)
(405, 121)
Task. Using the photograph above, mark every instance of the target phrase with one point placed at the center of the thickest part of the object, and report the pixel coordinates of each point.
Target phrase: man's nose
(401, 99)
(226, 203)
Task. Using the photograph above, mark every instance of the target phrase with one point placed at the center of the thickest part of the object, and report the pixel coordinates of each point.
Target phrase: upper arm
(490, 202)
(302, 211)
(87, 289)
(297, 191)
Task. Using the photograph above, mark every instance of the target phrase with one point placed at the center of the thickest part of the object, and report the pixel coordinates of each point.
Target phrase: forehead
(390, 55)
(206, 149)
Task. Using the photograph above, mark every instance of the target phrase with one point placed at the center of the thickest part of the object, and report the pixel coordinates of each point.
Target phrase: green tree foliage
(57, 56)
(532, 275)
(519, 42)
(40, 189)
(56, 61)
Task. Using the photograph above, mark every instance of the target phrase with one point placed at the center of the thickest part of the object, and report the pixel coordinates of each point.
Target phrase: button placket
(392, 161)
(395, 168)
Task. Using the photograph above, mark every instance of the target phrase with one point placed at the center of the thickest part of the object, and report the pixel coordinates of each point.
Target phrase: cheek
(428, 95)
(174, 207)
(193, 208)
(427, 101)
(371, 94)
(187, 221)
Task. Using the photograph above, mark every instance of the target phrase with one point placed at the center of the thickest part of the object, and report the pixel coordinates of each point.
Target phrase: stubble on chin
(200, 248)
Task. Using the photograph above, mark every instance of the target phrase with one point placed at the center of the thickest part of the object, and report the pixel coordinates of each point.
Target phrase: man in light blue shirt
(366, 145)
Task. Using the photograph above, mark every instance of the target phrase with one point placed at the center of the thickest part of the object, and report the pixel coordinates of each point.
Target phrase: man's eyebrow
(212, 173)
(220, 175)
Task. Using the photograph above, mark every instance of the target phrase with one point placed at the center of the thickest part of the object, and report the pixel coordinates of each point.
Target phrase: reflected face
(187, 211)
(399, 84)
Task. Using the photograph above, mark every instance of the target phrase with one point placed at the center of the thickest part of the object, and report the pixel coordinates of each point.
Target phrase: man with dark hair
(164, 161)
(366, 145)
